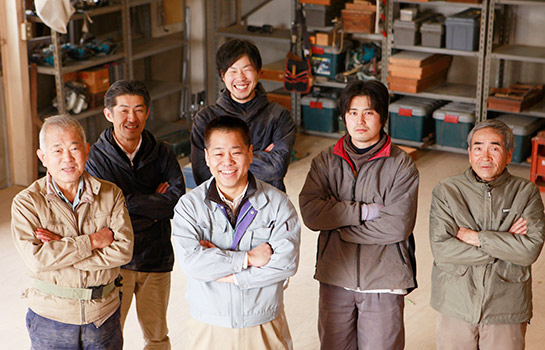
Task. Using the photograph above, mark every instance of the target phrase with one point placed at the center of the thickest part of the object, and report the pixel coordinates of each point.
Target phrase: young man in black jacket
(150, 177)
(271, 126)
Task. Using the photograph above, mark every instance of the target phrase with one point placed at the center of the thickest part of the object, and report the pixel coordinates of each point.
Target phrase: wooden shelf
(447, 91)
(73, 66)
(145, 47)
(522, 53)
(240, 32)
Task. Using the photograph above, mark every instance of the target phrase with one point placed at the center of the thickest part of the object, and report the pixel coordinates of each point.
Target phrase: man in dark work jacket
(272, 128)
(151, 180)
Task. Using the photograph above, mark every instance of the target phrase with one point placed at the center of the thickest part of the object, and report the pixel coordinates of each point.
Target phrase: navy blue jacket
(150, 212)
(268, 122)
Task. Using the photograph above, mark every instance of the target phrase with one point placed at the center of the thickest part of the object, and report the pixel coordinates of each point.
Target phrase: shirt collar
(77, 198)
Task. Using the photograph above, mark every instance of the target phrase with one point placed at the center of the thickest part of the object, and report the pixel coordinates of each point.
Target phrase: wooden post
(16, 81)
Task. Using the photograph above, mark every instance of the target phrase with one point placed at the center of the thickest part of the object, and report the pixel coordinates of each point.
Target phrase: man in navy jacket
(149, 175)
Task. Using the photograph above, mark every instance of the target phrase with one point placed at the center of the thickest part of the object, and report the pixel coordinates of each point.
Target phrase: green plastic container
(524, 128)
(327, 61)
(319, 114)
(411, 118)
(452, 124)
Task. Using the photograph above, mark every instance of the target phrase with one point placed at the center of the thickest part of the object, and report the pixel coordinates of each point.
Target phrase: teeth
(228, 172)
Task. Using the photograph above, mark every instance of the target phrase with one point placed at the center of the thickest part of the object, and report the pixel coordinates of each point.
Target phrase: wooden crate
(274, 71)
(358, 21)
(515, 98)
(281, 97)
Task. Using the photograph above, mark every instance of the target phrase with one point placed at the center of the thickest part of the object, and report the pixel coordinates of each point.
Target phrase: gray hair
(63, 121)
(500, 128)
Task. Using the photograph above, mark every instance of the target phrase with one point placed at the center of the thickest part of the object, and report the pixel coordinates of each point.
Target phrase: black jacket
(150, 212)
(268, 122)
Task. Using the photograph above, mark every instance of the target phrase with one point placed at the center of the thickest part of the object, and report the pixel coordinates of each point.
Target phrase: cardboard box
(438, 64)
(416, 85)
(70, 76)
(96, 100)
(324, 38)
(97, 79)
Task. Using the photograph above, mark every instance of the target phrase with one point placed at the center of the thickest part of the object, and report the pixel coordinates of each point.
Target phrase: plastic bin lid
(522, 125)
(318, 102)
(470, 15)
(457, 112)
(415, 106)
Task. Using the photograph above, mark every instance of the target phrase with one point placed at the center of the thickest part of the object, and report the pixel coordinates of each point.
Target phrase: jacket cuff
(83, 244)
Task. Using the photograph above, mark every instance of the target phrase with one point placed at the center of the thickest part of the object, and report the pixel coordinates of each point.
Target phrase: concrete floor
(301, 297)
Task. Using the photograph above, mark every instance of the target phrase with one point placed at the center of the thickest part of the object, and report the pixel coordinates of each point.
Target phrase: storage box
(411, 118)
(524, 128)
(432, 32)
(319, 114)
(358, 21)
(97, 79)
(452, 124)
(321, 15)
(178, 141)
(462, 30)
(280, 96)
(408, 32)
(327, 61)
(408, 14)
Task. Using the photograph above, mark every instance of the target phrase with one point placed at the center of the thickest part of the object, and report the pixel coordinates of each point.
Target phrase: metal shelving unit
(129, 50)
(472, 92)
(506, 51)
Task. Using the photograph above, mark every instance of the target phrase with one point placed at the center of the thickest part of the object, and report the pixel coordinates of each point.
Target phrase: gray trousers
(349, 320)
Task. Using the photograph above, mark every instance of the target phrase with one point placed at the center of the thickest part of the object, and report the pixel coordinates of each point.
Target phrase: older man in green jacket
(486, 230)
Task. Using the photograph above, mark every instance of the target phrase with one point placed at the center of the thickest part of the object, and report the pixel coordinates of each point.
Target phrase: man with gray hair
(486, 230)
(73, 232)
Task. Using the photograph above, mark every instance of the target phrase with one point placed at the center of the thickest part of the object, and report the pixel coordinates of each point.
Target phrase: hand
(468, 236)
(519, 227)
(162, 188)
(207, 244)
(102, 238)
(269, 148)
(46, 236)
(226, 279)
(260, 255)
(370, 211)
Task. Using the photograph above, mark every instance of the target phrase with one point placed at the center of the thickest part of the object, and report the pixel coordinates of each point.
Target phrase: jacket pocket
(512, 273)
(452, 269)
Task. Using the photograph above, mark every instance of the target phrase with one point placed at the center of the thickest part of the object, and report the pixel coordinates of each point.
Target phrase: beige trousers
(152, 291)
(273, 335)
(455, 334)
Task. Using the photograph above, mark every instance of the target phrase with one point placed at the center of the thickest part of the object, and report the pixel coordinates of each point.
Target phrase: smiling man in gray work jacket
(486, 230)
(237, 240)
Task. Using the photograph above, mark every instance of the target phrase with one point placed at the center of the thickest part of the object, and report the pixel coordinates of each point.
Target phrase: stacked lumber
(415, 72)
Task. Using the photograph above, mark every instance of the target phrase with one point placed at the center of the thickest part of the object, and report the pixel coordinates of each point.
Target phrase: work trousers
(47, 334)
(349, 320)
(455, 334)
(273, 335)
(152, 292)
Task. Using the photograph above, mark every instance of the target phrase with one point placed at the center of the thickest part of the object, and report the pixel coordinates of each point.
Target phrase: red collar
(339, 150)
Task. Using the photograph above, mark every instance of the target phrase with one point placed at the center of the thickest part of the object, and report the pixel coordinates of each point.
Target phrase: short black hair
(227, 124)
(379, 97)
(126, 87)
(232, 51)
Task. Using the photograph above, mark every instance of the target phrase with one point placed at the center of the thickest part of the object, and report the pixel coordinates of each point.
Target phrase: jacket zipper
(358, 249)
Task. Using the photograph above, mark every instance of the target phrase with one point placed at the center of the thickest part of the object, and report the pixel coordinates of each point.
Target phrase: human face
(241, 79)
(64, 155)
(229, 160)
(362, 122)
(487, 154)
(128, 117)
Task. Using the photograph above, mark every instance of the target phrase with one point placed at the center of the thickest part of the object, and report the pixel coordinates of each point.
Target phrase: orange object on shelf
(537, 172)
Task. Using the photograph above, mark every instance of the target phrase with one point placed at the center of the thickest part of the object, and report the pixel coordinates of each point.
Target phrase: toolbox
(319, 113)
(524, 128)
(411, 118)
(452, 124)
(329, 60)
(462, 30)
